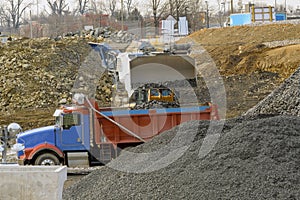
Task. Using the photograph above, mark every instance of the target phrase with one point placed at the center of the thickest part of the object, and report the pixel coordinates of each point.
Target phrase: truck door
(71, 135)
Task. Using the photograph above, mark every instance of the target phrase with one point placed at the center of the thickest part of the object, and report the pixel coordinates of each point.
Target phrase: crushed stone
(256, 157)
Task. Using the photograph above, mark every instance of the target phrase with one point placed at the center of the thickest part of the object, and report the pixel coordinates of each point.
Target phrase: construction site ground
(252, 60)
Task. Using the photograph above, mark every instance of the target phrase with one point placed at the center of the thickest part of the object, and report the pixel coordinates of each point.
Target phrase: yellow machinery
(148, 94)
(160, 94)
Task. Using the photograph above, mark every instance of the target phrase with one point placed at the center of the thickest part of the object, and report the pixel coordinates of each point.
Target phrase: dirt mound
(255, 158)
(240, 49)
(244, 56)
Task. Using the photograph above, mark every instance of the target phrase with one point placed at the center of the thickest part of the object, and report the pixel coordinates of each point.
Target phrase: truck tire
(47, 159)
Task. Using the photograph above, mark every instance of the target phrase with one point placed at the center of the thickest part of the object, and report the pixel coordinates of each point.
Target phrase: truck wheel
(47, 159)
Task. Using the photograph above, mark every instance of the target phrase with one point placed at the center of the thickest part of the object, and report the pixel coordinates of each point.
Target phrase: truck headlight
(18, 147)
(14, 129)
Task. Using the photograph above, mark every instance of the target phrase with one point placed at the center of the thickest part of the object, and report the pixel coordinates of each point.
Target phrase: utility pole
(122, 14)
(30, 25)
(231, 6)
(37, 8)
(4, 143)
(224, 4)
(207, 16)
(285, 7)
(37, 15)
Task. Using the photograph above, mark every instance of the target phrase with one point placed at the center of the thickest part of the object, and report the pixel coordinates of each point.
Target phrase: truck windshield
(70, 120)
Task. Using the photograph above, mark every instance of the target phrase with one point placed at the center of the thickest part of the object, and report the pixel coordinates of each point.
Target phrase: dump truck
(85, 134)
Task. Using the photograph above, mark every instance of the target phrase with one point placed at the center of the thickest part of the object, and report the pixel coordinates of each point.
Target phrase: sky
(72, 3)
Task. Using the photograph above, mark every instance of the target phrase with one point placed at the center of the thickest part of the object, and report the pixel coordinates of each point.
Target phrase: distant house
(3, 38)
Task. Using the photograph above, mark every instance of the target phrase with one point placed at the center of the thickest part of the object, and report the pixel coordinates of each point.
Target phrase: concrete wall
(32, 182)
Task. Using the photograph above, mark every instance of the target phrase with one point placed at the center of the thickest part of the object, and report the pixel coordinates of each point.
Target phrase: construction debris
(41, 73)
(38, 73)
(100, 33)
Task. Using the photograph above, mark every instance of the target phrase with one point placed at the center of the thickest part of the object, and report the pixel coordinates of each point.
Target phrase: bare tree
(112, 7)
(240, 5)
(100, 6)
(82, 6)
(135, 15)
(171, 5)
(97, 6)
(94, 6)
(59, 19)
(158, 8)
(179, 8)
(11, 14)
(196, 15)
(219, 13)
(58, 7)
(128, 6)
(4, 17)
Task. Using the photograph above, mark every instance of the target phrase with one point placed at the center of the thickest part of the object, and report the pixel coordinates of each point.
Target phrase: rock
(63, 101)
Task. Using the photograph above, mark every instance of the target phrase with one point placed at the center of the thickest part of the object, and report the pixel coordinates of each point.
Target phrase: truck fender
(43, 147)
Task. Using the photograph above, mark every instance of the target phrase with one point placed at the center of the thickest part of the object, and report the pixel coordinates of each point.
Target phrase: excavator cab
(153, 94)
(167, 95)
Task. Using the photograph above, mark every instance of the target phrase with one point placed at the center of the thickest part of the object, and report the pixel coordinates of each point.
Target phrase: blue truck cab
(49, 145)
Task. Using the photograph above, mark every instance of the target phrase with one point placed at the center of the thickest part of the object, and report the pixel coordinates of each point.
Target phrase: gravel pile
(105, 32)
(285, 100)
(294, 22)
(254, 158)
(156, 104)
(281, 43)
(122, 37)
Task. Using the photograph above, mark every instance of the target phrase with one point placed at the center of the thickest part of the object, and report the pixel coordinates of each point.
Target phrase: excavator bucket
(161, 68)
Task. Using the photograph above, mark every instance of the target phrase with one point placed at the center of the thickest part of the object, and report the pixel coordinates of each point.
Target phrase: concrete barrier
(32, 182)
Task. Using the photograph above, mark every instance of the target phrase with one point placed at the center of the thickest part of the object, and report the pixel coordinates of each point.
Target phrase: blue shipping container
(240, 19)
(280, 16)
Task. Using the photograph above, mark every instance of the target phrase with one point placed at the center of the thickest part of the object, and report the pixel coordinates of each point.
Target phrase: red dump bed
(146, 123)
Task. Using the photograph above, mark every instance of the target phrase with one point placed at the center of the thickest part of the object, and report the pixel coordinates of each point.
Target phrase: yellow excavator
(153, 95)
